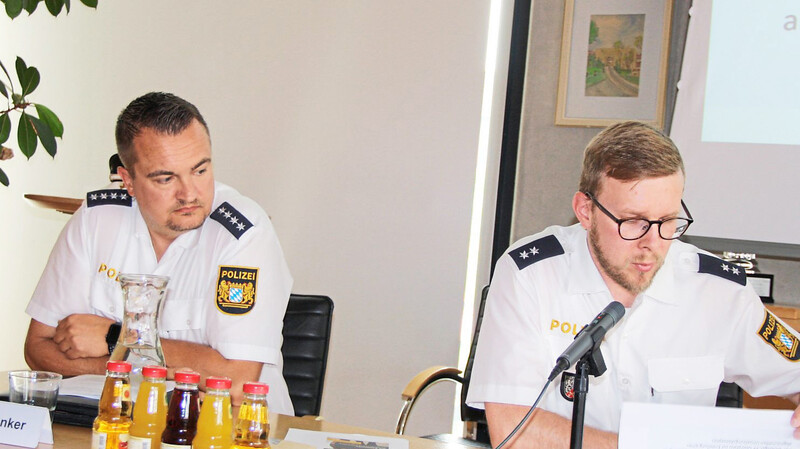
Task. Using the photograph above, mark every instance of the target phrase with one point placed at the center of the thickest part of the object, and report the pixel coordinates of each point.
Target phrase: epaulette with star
(540, 249)
(236, 223)
(117, 197)
(725, 270)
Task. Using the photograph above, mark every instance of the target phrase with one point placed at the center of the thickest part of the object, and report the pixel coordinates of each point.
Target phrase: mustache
(182, 204)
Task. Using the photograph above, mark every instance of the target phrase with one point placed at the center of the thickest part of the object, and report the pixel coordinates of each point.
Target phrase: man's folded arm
(209, 362)
(43, 353)
(544, 429)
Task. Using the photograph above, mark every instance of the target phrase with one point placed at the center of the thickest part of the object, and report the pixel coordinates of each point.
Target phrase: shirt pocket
(685, 380)
(182, 320)
(105, 298)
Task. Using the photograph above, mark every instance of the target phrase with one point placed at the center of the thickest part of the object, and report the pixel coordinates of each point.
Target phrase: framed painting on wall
(613, 62)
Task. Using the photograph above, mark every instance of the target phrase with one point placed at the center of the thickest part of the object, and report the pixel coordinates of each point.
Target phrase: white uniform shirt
(685, 334)
(109, 236)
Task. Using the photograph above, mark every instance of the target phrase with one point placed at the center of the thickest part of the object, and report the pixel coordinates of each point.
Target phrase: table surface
(71, 437)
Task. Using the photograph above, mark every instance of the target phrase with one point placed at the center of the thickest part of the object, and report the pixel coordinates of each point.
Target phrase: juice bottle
(252, 425)
(214, 429)
(150, 410)
(182, 413)
(110, 429)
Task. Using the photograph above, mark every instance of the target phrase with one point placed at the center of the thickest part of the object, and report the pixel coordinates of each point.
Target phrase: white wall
(354, 123)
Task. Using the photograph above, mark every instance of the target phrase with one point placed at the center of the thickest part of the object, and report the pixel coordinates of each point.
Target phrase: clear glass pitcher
(139, 343)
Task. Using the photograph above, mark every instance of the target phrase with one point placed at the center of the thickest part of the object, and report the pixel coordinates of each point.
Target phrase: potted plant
(43, 126)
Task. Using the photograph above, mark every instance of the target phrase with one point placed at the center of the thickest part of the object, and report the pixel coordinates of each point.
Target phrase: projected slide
(752, 87)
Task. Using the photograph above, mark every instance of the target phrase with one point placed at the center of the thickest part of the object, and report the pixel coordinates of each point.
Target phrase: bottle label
(139, 443)
(99, 440)
(175, 446)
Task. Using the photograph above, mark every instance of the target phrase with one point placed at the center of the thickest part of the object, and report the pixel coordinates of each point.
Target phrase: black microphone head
(615, 311)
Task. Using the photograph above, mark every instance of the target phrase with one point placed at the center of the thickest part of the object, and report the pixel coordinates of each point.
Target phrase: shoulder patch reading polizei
(539, 249)
(118, 197)
(236, 223)
(725, 270)
(779, 337)
(236, 289)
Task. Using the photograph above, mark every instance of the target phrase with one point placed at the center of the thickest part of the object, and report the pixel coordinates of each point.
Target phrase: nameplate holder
(24, 425)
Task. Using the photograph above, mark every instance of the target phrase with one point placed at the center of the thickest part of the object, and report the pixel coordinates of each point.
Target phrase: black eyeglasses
(636, 228)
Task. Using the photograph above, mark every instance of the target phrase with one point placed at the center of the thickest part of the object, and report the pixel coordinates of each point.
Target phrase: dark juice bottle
(183, 411)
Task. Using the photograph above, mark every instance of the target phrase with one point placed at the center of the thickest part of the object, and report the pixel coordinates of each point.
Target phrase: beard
(187, 222)
(634, 283)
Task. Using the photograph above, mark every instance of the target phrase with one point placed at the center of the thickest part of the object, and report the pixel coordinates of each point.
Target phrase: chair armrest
(421, 382)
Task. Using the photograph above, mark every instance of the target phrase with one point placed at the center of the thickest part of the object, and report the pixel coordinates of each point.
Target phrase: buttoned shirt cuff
(255, 353)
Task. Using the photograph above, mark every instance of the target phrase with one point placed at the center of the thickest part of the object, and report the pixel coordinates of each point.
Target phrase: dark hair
(628, 151)
(162, 112)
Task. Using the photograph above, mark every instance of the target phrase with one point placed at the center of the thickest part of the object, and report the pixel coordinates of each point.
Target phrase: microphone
(589, 337)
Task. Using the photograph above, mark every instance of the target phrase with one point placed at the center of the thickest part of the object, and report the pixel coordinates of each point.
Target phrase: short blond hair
(628, 151)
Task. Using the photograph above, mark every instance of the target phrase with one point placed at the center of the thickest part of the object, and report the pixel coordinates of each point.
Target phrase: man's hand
(82, 335)
(795, 421)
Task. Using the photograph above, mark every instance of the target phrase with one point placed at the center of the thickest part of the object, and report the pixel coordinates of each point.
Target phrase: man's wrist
(112, 336)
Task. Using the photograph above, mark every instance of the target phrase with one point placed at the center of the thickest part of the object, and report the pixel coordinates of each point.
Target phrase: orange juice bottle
(110, 429)
(214, 428)
(252, 425)
(150, 410)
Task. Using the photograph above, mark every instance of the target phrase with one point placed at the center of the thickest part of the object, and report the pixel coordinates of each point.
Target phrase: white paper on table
(91, 386)
(321, 440)
(85, 386)
(666, 426)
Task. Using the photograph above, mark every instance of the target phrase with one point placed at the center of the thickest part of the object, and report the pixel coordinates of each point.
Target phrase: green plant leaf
(54, 6)
(3, 178)
(66, 5)
(32, 79)
(5, 127)
(90, 3)
(45, 135)
(3, 66)
(22, 69)
(26, 136)
(13, 8)
(30, 5)
(49, 117)
(3, 89)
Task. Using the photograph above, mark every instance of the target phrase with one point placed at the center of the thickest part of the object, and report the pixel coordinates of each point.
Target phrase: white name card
(24, 425)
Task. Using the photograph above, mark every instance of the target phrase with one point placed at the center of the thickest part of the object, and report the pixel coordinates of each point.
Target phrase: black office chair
(306, 334)
(476, 432)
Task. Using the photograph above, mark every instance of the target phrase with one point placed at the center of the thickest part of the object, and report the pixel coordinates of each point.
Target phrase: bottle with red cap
(252, 426)
(110, 428)
(150, 410)
(183, 411)
(214, 428)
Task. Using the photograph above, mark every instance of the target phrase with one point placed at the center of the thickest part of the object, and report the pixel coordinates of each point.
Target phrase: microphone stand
(592, 363)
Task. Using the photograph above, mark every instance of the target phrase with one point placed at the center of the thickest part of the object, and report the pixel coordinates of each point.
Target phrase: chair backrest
(469, 413)
(306, 334)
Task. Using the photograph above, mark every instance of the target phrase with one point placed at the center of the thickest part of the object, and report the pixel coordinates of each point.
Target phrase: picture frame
(614, 56)
(762, 284)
